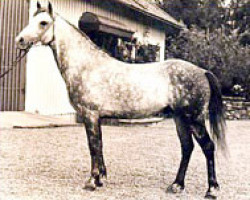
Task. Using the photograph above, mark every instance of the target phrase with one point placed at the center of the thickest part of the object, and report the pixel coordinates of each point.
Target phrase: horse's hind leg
(94, 135)
(207, 145)
(187, 145)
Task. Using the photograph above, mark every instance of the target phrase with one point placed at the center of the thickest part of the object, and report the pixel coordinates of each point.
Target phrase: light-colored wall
(45, 89)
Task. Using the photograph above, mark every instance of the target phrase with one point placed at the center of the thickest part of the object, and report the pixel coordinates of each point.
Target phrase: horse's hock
(237, 108)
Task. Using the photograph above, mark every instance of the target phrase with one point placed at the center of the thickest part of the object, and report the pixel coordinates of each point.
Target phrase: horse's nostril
(21, 40)
(20, 43)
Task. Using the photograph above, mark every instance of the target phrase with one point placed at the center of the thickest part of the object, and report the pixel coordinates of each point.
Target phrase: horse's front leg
(94, 135)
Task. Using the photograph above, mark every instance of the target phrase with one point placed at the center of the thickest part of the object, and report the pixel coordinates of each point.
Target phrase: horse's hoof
(175, 188)
(90, 184)
(212, 193)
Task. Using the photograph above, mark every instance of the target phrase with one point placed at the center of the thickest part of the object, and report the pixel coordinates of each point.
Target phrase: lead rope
(13, 65)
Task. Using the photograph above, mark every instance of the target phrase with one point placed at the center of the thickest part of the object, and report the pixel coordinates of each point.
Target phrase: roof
(151, 10)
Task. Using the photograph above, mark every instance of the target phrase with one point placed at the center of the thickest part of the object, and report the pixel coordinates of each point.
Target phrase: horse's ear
(50, 9)
(38, 5)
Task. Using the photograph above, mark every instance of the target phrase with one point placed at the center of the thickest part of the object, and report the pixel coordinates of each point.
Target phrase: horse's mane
(103, 51)
(85, 36)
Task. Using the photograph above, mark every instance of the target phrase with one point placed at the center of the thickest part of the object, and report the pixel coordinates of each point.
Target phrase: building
(124, 28)
(13, 17)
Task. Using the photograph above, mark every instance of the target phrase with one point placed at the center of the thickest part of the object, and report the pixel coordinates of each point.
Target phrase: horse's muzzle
(22, 44)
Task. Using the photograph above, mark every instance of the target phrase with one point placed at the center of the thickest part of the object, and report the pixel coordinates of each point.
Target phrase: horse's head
(40, 29)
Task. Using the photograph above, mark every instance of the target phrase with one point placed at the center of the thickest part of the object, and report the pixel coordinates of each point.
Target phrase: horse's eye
(43, 23)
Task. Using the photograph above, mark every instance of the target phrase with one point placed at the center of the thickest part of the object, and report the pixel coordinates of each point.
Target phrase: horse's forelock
(41, 10)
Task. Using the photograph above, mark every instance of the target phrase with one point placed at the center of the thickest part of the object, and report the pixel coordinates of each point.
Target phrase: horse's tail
(216, 112)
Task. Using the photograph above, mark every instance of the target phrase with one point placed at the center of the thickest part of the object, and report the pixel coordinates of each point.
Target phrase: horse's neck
(74, 51)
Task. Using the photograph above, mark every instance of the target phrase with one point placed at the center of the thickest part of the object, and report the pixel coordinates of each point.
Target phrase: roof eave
(177, 26)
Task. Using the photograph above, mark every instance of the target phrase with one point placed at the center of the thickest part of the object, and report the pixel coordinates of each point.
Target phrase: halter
(45, 30)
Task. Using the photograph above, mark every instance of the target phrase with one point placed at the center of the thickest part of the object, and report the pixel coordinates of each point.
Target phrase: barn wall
(13, 17)
(45, 90)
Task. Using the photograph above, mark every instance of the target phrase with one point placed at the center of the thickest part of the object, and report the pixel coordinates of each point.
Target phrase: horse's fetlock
(213, 184)
(103, 172)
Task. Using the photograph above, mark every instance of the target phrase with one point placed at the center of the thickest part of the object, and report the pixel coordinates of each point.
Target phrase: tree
(211, 15)
(185, 10)
(241, 15)
(222, 54)
(218, 38)
(206, 14)
(241, 19)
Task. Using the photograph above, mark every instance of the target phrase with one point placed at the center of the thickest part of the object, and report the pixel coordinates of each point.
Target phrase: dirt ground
(53, 164)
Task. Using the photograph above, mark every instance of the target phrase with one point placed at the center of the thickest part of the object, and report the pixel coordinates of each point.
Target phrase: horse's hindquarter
(190, 87)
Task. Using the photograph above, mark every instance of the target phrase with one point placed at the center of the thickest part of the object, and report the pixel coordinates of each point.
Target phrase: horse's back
(164, 67)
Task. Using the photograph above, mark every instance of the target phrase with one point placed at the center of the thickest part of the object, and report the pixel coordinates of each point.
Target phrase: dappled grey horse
(101, 86)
